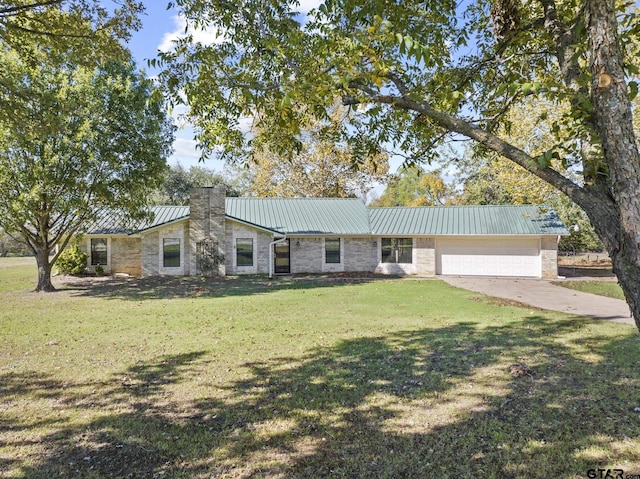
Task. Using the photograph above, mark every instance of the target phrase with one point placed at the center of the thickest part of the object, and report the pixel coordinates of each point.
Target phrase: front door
(282, 258)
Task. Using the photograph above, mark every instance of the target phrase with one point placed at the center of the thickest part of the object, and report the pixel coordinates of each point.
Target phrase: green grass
(602, 288)
(17, 274)
(194, 378)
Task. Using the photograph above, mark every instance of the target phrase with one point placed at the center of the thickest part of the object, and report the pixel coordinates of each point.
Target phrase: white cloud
(185, 148)
(187, 156)
(207, 36)
(307, 5)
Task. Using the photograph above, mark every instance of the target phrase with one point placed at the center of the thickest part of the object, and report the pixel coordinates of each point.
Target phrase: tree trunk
(605, 218)
(613, 121)
(628, 273)
(44, 271)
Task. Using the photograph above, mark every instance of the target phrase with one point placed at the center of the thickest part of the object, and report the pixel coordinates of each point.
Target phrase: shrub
(99, 270)
(72, 260)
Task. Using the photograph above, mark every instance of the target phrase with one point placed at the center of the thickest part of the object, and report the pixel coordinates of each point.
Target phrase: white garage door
(489, 257)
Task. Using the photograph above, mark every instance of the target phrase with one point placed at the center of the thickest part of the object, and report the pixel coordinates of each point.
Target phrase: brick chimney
(206, 231)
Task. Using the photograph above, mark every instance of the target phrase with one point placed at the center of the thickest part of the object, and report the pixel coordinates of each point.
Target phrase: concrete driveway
(543, 294)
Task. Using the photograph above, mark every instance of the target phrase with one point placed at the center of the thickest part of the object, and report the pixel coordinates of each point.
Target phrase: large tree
(87, 26)
(319, 169)
(178, 182)
(414, 186)
(489, 178)
(78, 140)
(417, 73)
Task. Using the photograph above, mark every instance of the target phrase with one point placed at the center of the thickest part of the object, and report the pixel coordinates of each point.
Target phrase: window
(332, 250)
(99, 251)
(244, 251)
(171, 252)
(397, 250)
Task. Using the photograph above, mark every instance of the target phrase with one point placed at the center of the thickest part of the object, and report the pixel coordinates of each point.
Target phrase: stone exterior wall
(261, 240)
(152, 250)
(423, 259)
(150, 254)
(207, 223)
(126, 256)
(360, 254)
(306, 254)
(424, 255)
(549, 257)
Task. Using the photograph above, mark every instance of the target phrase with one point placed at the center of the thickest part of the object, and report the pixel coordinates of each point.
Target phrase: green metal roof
(349, 216)
(110, 223)
(322, 216)
(466, 220)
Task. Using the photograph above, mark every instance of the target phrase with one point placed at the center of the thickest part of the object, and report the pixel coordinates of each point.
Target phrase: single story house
(219, 235)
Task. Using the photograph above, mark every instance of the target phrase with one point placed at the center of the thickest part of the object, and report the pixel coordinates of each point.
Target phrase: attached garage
(482, 240)
(499, 256)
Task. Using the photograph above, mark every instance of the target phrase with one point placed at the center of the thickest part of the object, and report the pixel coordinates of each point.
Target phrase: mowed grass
(17, 274)
(602, 288)
(247, 378)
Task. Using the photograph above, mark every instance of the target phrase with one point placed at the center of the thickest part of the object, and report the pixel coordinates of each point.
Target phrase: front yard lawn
(250, 378)
(602, 288)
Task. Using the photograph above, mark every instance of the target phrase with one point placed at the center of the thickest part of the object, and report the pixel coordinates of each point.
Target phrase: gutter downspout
(271, 245)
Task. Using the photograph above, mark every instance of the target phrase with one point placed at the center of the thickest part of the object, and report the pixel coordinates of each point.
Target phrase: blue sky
(159, 27)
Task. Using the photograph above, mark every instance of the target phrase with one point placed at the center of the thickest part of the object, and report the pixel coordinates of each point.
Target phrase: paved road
(543, 294)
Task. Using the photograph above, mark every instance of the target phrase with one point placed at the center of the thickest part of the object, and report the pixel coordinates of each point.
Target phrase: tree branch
(17, 9)
(50, 34)
(490, 141)
(563, 38)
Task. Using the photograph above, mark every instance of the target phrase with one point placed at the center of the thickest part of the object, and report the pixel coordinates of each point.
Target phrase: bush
(72, 261)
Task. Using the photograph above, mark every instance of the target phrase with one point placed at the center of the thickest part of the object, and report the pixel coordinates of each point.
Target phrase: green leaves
(412, 48)
(80, 31)
(544, 160)
(633, 90)
(80, 139)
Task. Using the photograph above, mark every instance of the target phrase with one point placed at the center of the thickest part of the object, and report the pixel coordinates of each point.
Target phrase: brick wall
(150, 254)
(306, 254)
(360, 254)
(424, 256)
(126, 256)
(261, 240)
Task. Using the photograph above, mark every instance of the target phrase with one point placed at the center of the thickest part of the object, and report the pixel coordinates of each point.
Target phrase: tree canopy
(79, 139)
(414, 186)
(416, 73)
(178, 182)
(320, 168)
(488, 178)
(86, 27)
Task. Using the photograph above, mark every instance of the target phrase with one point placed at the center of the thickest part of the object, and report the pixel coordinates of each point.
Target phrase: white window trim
(333, 267)
(244, 234)
(172, 270)
(324, 251)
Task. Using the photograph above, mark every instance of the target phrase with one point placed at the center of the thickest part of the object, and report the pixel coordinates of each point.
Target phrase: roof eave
(161, 225)
(253, 225)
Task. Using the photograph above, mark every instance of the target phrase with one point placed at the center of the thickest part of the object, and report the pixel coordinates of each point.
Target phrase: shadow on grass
(442, 402)
(168, 287)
